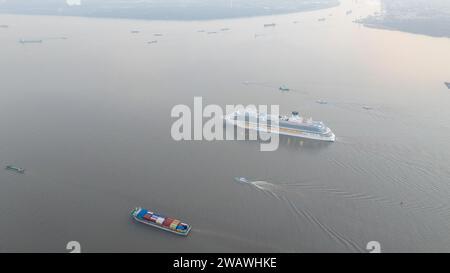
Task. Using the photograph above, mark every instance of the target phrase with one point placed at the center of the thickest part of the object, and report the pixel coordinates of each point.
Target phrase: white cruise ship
(294, 125)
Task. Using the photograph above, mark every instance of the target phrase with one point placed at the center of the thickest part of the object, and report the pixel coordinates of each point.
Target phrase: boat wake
(284, 193)
(267, 187)
(332, 233)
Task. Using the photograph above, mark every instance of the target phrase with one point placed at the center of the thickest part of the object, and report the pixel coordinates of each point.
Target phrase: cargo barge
(159, 221)
(22, 41)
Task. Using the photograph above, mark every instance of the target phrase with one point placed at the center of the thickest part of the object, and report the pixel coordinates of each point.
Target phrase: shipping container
(167, 222)
(174, 224)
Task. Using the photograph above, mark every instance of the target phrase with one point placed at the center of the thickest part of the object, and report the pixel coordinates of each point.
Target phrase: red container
(167, 222)
(147, 217)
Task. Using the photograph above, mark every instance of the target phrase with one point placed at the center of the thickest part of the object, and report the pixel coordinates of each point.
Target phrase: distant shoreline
(175, 13)
(397, 26)
(423, 17)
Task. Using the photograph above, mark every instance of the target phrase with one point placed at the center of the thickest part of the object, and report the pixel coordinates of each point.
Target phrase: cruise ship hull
(279, 130)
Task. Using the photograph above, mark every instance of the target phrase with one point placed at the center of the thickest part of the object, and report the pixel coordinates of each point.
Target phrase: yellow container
(174, 224)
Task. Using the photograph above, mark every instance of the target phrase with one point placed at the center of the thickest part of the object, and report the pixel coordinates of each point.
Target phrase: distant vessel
(135, 31)
(165, 223)
(321, 19)
(22, 41)
(14, 168)
(365, 107)
(295, 125)
(152, 42)
(284, 88)
(448, 84)
(241, 179)
(270, 25)
(57, 38)
(322, 102)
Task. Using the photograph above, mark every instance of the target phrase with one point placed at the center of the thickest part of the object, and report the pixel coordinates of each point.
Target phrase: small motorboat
(241, 180)
(15, 169)
(284, 88)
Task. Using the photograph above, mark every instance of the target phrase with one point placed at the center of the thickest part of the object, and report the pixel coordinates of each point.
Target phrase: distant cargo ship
(165, 223)
(22, 41)
(295, 125)
(322, 102)
(270, 25)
